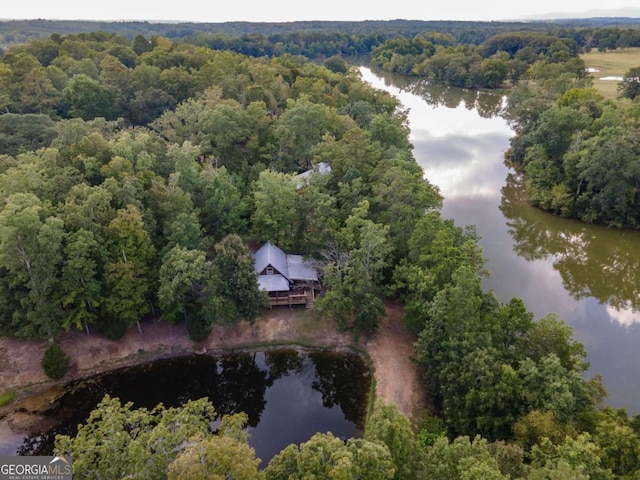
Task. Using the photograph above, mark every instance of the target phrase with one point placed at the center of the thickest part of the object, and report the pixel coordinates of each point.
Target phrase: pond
(288, 395)
(587, 274)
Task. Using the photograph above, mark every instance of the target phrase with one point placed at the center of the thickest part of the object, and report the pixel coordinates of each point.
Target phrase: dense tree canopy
(117, 218)
(505, 58)
(118, 441)
(579, 152)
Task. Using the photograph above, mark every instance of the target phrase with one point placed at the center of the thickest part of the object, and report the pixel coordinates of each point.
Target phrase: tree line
(504, 59)
(499, 60)
(579, 151)
(119, 441)
(324, 38)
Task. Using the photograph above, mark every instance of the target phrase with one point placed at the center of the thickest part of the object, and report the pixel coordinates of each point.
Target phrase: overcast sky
(290, 10)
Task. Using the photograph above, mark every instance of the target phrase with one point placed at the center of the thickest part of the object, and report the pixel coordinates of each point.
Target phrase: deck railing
(304, 298)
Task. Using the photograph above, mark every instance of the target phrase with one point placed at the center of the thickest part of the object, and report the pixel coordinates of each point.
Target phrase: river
(587, 274)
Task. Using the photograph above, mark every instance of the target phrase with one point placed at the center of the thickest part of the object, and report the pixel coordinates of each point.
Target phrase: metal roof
(299, 269)
(273, 283)
(269, 254)
(291, 267)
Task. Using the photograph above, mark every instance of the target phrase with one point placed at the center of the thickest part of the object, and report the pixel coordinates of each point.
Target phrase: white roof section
(273, 283)
(302, 178)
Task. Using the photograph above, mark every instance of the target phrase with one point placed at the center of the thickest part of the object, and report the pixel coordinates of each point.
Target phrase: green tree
(351, 156)
(336, 64)
(482, 395)
(37, 93)
(215, 458)
(80, 288)
(551, 336)
(607, 174)
(619, 446)
(227, 126)
(238, 282)
(387, 426)
(184, 231)
(462, 459)
(185, 157)
(25, 132)
(327, 457)
(182, 274)
(353, 273)
(630, 85)
(222, 207)
(300, 127)
(455, 326)
(116, 78)
(317, 215)
(55, 362)
(5, 83)
(390, 131)
(87, 98)
(554, 129)
(128, 275)
(31, 251)
(536, 425)
(274, 214)
(436, 249)
(550, 387)
(167, 200)
(400, 198)
(118, 441)
(182, 124)
(574, 458)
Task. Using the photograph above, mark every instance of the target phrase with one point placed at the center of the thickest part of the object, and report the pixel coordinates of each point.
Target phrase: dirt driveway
(390, 350)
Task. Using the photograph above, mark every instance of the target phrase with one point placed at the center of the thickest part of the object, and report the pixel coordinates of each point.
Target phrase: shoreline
(93, 353)
(387, 353)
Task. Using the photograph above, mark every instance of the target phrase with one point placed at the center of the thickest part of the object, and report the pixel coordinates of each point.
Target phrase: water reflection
(486, 104)
(458, 164)
(593, 261)
(306, 393)
(339, 387)
(587, 274)
(460, 151)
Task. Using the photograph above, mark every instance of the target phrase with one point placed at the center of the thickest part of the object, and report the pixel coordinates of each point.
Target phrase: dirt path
(390, 350)
(396, 373)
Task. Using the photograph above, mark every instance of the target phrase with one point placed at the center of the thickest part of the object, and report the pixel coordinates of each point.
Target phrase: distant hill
(14, 32)
(631, 13)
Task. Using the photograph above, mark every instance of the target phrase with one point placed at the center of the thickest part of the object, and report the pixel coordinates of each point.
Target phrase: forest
(134, 173)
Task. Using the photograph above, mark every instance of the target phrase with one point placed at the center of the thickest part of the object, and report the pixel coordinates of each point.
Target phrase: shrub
(7, 397)
(55, 362)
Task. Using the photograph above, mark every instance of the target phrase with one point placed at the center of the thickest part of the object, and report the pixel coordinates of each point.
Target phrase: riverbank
(389, 352)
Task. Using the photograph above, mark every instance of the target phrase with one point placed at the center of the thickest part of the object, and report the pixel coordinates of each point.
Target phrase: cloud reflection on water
(589, 275)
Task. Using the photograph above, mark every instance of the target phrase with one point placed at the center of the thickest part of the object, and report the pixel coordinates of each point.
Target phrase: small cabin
(289, 279)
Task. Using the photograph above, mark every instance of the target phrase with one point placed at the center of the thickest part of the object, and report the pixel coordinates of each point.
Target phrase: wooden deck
(305, 298)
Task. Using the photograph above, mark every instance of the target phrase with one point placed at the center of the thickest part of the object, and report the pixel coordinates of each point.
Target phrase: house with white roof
(288, 278)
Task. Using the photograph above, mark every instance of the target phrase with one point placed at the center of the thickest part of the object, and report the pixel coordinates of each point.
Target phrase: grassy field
(611, 64)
